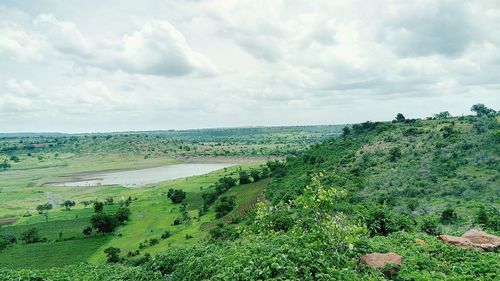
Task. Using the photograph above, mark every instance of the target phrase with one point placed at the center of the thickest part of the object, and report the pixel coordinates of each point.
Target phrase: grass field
(152, 214)
(50, 254)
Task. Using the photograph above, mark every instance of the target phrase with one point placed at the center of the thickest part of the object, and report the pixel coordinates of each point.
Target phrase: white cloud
(221, 63)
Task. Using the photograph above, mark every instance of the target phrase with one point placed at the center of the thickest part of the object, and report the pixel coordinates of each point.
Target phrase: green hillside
(380, 187)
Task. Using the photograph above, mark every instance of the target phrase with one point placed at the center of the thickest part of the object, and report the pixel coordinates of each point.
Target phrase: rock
(473, 238)
(378, 260)
(461, 242)
(421, 242)
(482, 240)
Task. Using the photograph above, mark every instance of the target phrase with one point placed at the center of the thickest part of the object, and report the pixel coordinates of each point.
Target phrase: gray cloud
(222, 63)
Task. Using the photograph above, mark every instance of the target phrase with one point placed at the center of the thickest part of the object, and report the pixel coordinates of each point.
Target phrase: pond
(142, 177)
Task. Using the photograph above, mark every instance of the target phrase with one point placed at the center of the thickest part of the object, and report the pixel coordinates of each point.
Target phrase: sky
(96, 66)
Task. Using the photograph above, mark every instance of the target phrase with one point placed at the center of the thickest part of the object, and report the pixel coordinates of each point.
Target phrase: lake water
(142, 177)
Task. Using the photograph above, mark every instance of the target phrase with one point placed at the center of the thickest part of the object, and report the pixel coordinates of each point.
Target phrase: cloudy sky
(84, 66)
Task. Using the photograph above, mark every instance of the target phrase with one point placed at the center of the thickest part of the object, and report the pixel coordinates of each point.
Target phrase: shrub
(113, 254)
(30, 236)
(122, 214)
(176, 195)
(104, 223)
(244, 177)
(448, 216)
(225, 205)
(87, 231)
(488, 217)
(430, 225)
(165, 234)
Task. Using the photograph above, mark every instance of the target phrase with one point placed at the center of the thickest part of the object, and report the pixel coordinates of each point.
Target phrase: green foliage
(104, 223)
(113, 254)
(98, 207)
(87, 231)
(488, 217)
(225, 205)
(30, 236)
(223, 233)
(481, 110)
(380, 220)
(430, 225)
(176, 195)
(68, 204)
(122, 214)
(244, 177)
(109, 272)
(400, 117)
(448, 216)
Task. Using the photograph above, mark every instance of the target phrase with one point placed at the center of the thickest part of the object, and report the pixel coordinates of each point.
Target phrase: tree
(14, 158)
(104, 223)
(44, 210)
(109, 200)
(225, 205)
(176, 195)
(346, 131)
(86, 203)
(442, 115)
(98, 207)
(113, 254)
(30, 236)
(122, 214)
(68, 204)
(244, 177)
(87, 231)
(400, 117)
(481, 110)
(4, 165)
(448, 216)
(255, 175)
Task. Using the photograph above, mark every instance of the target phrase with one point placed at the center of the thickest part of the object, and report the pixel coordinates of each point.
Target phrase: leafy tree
(68, 204)
(488, 217)
(14, 158)
(113, 254)
(30, 236)
(442, 115)
(430, 225)
(98, 207)
(104, 223)
(86, 203)
(4, 165)
(346, 131)
(481, 110)
(400, 117)
(255, 175)
(225, 205)
(109, 200)
(6, 240)
(122, 214)
(176, 195)
(44, 210)
(244, 177)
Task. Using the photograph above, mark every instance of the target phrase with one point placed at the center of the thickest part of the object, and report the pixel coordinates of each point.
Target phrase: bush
(448, 216)
(430, 225)
(488, 217)
(176, 195)
(225, 205)
(30, 236)
(87, 231)
(244, 177)
(382, 221)
(113, 254)
(221, 233)
(122, 214)
(104, 223)
(165, 234)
